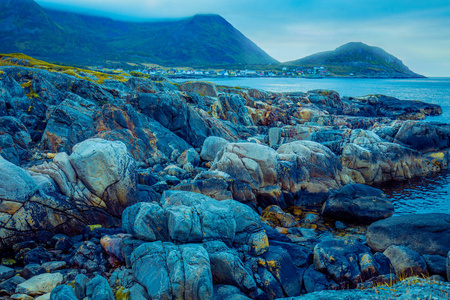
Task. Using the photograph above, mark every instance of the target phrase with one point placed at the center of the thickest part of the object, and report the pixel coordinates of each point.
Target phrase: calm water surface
(419, 195)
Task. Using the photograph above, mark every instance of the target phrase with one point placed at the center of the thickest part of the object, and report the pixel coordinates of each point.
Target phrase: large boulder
(423, 233)
(357, 203)
(199, 87)
(170, 271)
(231, 107)
(92, 186)
(405, 261)
(187, 217)
(366, 158)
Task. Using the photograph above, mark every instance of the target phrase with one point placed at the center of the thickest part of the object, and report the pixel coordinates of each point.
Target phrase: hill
(202, 40)
(358, 59)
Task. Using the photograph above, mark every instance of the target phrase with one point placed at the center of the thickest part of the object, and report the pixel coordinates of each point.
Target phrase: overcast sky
(415, 31)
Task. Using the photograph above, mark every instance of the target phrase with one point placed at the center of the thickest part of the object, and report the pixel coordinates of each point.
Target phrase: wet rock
(423, 233)
(406, 261)
(211, 146)
(98, 288)
(357, 203)
(63, 292)
(173, 271)
(40, 284)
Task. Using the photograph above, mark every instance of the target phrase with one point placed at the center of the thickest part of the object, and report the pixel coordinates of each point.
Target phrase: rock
(227, 268)
(423, 233)
(448, 265)
(52, 266)
(424, 136)
(6, 273)
(14, 140)
(314, 281)
(69, 123)
(9, 286)
(189, 156)
(251, 163)
(32, 270)
(228, 292)
(16, 186)
(275, 215)
(38, 255)
(63, 292)
(231, 107)
(366, 158)
(193, 218)
(98, 288)
(301, 256)
(89, 256)
(174, 170)
(138, 292)
(199, 87)
(21, 297)
(40, 284)
(211, 146)
(166, 270)
(344, 261)
(80, 283)
(279, 264)
(122, 277)
(357, 203)
(435, 264)
(107, 170)
(146, 221)
(406, 262)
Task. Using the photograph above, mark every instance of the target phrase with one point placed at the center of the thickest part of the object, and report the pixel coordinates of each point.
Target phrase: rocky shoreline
(146, 189)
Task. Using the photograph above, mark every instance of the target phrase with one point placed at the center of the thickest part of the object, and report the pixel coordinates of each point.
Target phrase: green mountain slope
(358, 59)
(77, 39)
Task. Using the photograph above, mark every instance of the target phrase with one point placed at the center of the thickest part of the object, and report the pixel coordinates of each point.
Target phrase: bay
(427, 194)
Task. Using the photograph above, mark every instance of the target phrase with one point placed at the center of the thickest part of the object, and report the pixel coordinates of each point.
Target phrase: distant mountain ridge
(358, 59)
(202, 40)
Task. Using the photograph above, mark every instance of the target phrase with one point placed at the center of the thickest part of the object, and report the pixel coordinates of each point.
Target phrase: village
(312, 72)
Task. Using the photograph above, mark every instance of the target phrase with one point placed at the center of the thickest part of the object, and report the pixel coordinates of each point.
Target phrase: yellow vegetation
(11, 60)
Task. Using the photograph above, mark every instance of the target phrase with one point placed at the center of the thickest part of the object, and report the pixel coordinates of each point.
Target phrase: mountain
(202, 40)
(358, 59)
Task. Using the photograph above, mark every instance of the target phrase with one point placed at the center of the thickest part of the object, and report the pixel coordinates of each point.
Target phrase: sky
(415, 31)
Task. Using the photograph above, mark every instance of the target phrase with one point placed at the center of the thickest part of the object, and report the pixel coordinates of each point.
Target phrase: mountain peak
(358, 59)
(204, 39)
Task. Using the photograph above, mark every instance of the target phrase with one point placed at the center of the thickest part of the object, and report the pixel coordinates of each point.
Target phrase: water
(419, 195)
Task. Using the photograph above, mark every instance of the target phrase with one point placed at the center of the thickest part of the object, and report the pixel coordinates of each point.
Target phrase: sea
(430, 194)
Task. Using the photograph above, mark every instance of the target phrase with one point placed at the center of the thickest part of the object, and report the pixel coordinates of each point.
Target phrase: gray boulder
(228, 292)
(436, 264)
(423, 233)
(424, 136)
(211, 146)
(14, 140)
(357, 203)
(406, 261)
(166, 270)
(199, 87)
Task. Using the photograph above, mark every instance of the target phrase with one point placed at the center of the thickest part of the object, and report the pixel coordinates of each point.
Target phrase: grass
(22, 60)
